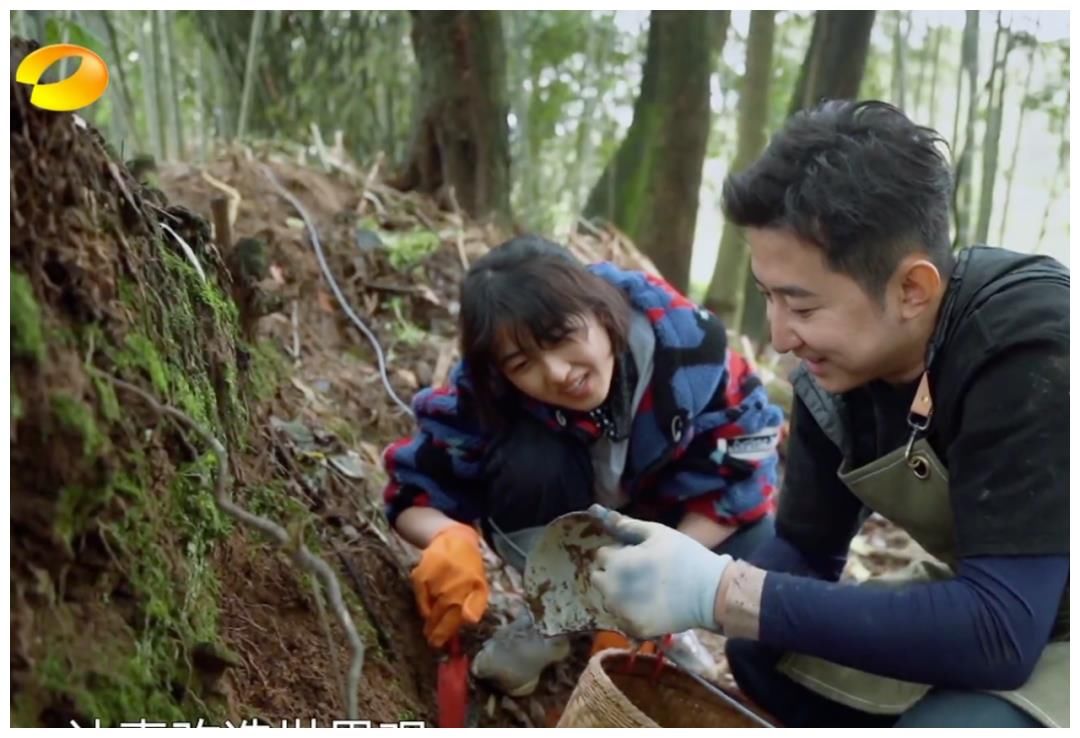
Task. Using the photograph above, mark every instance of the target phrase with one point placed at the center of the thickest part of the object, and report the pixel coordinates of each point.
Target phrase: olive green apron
(910, 487)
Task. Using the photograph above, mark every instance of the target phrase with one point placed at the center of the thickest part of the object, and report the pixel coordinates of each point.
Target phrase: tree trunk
(955, 140)
(920, 75)
(460, 138)
(160, 104)
(174, 86)
(597, 59)
(992, 137)
(836, 58)
(257, 22)
(900, 38)
(125, 102)
(833, 68)
(939, 34)
(1011, 174)
(149, 87)
(726, 289)
(203, 94)
(38, 22)
(1061, 175)
(964, 192)
(527, 199)
(655, 176)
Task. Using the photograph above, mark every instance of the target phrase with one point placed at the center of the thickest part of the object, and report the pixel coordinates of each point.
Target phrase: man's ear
(919, 284)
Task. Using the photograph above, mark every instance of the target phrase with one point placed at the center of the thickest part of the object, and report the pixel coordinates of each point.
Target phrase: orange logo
(77, 91)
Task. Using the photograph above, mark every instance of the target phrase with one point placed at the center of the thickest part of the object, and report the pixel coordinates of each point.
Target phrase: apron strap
(922, 408)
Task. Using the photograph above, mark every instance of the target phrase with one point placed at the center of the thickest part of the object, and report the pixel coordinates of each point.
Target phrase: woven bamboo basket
(615, 693)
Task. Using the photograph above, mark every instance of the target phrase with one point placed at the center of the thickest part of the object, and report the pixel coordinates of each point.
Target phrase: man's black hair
(858, 179)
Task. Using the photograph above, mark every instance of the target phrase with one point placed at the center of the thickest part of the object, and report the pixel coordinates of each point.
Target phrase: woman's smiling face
(573, 371)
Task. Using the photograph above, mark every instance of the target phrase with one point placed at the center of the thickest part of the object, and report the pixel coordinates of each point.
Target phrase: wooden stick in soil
(219, 208)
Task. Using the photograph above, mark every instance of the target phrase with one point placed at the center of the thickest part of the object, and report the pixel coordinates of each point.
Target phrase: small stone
(349, 464)
(298, 433)
(368, 240)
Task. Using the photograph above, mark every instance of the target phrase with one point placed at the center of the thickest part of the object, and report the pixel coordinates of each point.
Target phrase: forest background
(624, 117)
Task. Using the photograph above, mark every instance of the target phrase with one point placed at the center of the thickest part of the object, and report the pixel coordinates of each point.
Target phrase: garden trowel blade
(558, 591)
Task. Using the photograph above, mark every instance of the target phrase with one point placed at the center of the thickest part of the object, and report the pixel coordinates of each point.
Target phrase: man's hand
(660, 581)
(450, 583)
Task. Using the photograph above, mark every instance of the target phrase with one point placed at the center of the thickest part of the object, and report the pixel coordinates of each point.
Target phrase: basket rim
(643, 666)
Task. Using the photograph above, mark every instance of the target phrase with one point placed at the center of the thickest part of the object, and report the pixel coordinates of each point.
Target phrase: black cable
(337, 290)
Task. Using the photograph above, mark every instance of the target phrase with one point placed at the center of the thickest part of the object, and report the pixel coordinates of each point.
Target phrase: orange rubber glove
(605, 639)
(450, 583)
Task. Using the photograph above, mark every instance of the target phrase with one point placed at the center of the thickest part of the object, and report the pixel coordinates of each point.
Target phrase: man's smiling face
(845, 337)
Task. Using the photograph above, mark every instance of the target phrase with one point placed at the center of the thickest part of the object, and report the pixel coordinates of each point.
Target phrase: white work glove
(659, 581)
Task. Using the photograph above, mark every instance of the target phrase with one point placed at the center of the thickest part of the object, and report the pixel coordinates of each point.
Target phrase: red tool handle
(453, 686)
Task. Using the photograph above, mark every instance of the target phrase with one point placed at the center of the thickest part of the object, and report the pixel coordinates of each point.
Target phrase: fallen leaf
(298, 433)
(371, 452)
(429, 294)
(309, 394)
(408, 377)
(326, 304)
(349, 464)
(277, 274)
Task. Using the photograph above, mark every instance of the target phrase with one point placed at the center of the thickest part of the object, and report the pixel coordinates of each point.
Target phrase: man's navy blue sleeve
(983, 629)
(779, 555)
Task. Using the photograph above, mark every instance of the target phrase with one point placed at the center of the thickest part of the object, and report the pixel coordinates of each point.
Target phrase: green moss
(141, 353)
(165, 543)
(75, 416)
(27, 337)
(16, 403)
(128, 292)
(405, 330)
(197, 294)
(193, 397)
(410, 248)
(76, 506)
(267, 371)
(162, 540)
(107, 400)
(272, 501)
(125, 694)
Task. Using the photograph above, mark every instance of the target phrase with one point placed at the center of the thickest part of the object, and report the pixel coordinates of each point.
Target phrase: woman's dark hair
(537, 290)
(858, 179)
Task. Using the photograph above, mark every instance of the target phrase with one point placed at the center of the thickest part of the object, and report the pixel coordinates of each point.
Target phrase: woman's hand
(450, 583)
(704, 530)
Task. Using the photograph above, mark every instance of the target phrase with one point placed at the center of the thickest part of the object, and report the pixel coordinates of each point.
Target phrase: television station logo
(78, 90)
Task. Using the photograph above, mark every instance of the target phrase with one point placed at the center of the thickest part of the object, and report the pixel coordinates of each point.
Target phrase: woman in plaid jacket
(577, 385)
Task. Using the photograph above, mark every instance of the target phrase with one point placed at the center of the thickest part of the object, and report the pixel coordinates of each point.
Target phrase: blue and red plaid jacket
(703, 438)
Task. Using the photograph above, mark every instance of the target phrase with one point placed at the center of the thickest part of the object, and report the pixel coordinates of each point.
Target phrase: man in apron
(933, 390)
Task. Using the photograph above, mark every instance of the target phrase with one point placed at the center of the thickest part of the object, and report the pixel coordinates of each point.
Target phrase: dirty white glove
(516, 655)
(687, 650)
(659, 581)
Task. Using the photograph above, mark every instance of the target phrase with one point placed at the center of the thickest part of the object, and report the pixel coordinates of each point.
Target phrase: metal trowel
(558, 591)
